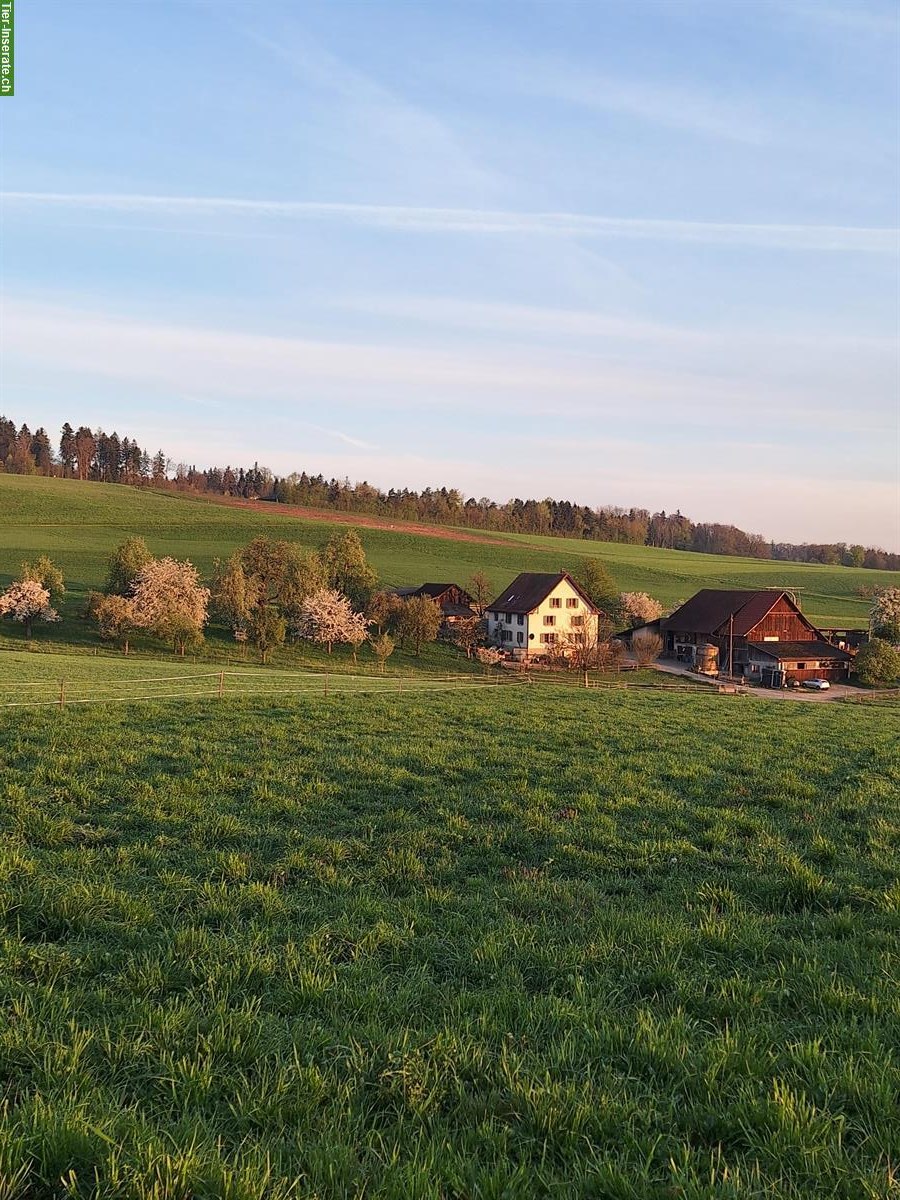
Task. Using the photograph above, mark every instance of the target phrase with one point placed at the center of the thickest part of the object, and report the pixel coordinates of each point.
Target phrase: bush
(646, 647)
(877, 664)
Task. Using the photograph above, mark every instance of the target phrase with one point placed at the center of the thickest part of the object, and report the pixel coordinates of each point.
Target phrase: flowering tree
(489, 656)
(638, 607)
(327, 617)
(170, 601)
(886, 615)
(27, 601)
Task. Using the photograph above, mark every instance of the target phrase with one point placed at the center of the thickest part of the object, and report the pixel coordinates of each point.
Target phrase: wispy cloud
(482, 222)
(688, 109)
(389, 130)
(592, 326)
(235, 366)
(356, 442)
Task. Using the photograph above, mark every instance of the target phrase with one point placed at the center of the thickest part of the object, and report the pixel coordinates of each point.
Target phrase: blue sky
(624, 252)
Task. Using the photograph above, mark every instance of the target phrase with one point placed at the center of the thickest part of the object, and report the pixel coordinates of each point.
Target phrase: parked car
(817, 685)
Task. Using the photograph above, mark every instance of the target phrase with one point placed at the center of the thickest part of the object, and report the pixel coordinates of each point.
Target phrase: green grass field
(505, 944)
(79, 524)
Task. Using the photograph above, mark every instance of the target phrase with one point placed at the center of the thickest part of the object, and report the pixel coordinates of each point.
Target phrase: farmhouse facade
(537, 612)
(763, 632)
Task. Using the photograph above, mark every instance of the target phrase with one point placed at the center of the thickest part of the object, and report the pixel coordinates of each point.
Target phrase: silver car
(817, 685)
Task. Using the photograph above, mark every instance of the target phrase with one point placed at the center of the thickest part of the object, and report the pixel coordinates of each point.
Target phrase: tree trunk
(28, 627)
(125, 646)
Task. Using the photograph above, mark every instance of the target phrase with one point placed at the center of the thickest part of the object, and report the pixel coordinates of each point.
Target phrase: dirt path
(363, 520)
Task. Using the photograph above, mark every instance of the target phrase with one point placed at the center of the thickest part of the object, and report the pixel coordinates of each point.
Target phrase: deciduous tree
(600, 586)
(116, 620)
(45, 572)
(480, 587)
(125, 566)
(267, 629)
(419, 621)
(235, 595)
(638, 607)
(327, 617)
(27, 601)
(282, 574)
(170, 601)
(877, 663)
(465, 634)
(885, 615)
(382, 648)
(383, 609)
(347, 569)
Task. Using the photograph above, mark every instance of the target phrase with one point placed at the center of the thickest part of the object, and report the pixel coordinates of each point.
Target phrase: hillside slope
(78, 524)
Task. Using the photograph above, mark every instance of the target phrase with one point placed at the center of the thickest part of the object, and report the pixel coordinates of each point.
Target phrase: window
(520, 619)
(801, 666)
(549, 620)
(571, 602)
(509, 618)
(548, 639)
(555, 602)
(579, 620)
(505, 635)
(520, 638)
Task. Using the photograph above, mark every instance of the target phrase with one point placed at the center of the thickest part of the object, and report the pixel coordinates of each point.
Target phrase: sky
(617, 251)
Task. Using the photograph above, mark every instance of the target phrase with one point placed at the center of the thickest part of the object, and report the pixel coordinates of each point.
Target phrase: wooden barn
(454, 602)
(768, 635)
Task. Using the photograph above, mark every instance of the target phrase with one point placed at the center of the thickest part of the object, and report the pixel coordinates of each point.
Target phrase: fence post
(221, 683)
(62, 693)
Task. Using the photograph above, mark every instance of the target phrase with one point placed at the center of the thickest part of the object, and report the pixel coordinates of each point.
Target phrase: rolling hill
(78, 524)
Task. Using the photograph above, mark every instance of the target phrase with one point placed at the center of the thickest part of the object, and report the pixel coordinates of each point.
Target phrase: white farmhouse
(538, 611)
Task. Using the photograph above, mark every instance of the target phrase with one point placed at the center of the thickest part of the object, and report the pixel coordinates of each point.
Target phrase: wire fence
(231, 685)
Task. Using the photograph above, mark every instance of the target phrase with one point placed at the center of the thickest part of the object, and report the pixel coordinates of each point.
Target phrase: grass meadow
(79, 525)
(504, 944)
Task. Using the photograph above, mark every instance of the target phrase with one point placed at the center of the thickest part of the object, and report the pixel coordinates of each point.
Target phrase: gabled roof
(712, 608)
(531, 588)
(796, 650)
(437, 589)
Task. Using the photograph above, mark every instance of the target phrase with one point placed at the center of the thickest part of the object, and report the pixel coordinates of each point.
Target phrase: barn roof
(438, 589)
(711, 608)
(796, 650)
(531, 588)
(433, 590)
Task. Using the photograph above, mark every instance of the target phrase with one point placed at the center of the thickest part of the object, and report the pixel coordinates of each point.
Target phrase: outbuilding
(761, 635)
